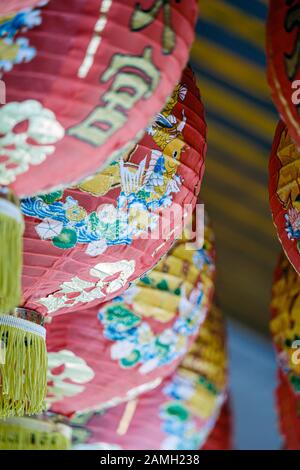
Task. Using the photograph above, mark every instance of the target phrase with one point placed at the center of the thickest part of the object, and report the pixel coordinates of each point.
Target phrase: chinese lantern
(132, 342)
(83, 79)
(285, 321)
(283, 61)
(34, 434)
(285, 194)
(98, 71)
(288, 413)
(84, 245)
(179, 414)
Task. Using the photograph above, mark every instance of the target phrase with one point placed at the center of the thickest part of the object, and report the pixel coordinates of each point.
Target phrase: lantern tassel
(33, 434)
(23, 367)
(11, 231)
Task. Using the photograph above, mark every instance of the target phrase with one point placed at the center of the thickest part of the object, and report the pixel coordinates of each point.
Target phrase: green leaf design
(177, 291)
(119, 313)
(295, 381)
(163, 285)
(94, 221)
(52, 197)
(177, 411)
(146, 280)
(131, 360)
(66, 239)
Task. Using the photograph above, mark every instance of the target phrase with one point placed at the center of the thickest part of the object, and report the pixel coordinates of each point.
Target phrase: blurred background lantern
(285, 320)
(131, 343)
(283, 61)
(284, 192)
(285, 328)
(73, 99)
(180, 413)
(288, 413)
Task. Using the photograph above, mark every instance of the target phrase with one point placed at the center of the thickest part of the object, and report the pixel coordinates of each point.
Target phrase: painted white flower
(30, 147)
(107, 213)
(121, 349)
(70, 381)
(149, 366)
(167, 337)
(49, 228)
(184, 387)
(96, 248)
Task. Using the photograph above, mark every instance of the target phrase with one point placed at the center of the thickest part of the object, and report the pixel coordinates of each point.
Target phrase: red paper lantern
(178, 415)
(83, 83)
(83, 79)
(131, 343)
(85, 245)
(284, 193)
(283, 61)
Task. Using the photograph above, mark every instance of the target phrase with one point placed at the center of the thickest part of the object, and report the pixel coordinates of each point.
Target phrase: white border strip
(25, 325)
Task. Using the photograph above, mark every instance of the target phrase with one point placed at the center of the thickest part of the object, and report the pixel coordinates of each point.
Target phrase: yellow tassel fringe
(33, 434)
(11, 241)
(23, 367)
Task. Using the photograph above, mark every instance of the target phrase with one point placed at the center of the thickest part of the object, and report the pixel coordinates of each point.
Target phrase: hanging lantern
(84, 245)
(90, 77)
(285, 321)
(283, 61)
(177, 415)
(132, 342)
(288, 413)
(285, 193)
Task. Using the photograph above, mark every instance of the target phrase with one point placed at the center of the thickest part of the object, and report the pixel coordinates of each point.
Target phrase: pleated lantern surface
(284, 192)
(283, 61)
(285, 321)
(81, 81)
(85, 245)
(288, 413)
(13, 6)
(130, 344)
(177, 415)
